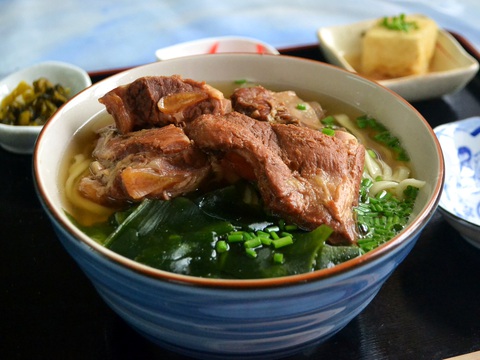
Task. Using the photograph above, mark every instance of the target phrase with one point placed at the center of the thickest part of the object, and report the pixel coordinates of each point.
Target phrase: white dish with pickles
(416, 59)
(30, 96)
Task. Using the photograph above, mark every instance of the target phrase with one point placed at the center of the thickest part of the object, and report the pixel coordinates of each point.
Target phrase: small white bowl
(213, 45)
(451, 67)
(21, 139)
(460, 200)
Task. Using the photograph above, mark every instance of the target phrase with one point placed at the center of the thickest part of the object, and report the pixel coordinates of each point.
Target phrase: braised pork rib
(171, 133)
(283, 107)
(154, 163)
(154, 101)
(303, 175)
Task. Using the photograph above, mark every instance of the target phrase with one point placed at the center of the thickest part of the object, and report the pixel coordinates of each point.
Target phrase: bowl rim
(20, 128)
(270, 49)
(458, 219)
(341, 269)
(51, 63)
(457, 123)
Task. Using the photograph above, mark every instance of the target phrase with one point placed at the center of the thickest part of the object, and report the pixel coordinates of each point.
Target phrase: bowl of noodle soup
(220, 317)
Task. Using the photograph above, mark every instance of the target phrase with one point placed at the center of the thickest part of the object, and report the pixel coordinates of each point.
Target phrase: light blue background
(100, 35)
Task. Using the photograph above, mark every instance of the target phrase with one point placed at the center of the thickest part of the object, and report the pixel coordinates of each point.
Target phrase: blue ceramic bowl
(219, 318)
(460, 201)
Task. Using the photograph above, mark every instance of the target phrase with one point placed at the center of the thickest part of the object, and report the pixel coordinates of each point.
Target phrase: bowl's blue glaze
(212, 322)
(460, 200)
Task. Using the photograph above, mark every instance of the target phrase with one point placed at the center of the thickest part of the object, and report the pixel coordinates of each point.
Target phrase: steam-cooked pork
(303, 175)
(277, 107)
(161, 100)
(154, 163)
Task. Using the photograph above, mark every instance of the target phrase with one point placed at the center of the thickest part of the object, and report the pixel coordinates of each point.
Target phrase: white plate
(451, 67)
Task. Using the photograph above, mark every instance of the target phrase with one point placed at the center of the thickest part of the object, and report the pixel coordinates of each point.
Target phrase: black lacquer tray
(428, 309)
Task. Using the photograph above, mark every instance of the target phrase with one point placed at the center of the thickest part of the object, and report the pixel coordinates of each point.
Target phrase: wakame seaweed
(181, 236)
(227, 233)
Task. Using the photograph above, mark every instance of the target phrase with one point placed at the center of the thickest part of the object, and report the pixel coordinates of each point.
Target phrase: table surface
(428, 308)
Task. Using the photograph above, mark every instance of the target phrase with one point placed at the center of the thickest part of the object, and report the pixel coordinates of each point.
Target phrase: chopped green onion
(263, 234)
(290, 227)
(240, 81)
(411, 193)
(381, 217)
(251, 252)
(221, 246)
(383, 136)
(366, 121)
(253, 243)
(274, 235)
(382, 193)
(366, 182)
(281, 242)
(235, 237)
(248, 236)
(278, 258)
(372, 153)
(328, 121)
(266, 241)
(301, 107)
(328, 131)
(398, 23)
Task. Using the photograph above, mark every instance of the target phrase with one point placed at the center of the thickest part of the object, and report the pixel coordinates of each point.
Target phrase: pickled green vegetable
(32, 104)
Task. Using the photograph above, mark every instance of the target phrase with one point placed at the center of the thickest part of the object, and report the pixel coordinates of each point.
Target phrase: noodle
(381, 185)
(95, 211)
(385, 179)
(372, 168)
(345, 121)
(382, 175)
(401, 173)
(402, 185)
